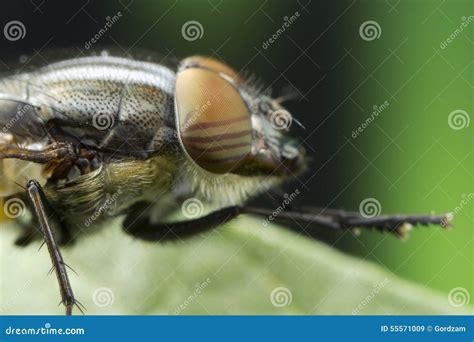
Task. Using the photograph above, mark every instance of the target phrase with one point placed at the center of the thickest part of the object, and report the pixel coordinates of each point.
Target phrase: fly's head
(226, 127)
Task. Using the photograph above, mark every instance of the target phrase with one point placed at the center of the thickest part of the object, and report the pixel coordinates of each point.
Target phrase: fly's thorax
(105, 102)
(89, 199)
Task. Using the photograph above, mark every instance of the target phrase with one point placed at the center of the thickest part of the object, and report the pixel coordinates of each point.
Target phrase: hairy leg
(46, 221)
(137, 222)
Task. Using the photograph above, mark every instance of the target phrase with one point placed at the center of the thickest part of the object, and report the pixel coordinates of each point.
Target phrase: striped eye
(211, 64)
(213, 120)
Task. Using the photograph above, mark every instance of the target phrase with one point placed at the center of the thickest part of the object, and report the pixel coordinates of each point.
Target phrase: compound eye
(212, 64)
(213, 120)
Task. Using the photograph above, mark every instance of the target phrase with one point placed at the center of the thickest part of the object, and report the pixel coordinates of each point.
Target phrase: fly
(104, 136)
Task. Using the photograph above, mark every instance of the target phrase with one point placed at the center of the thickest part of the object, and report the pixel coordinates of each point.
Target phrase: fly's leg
(398, 225)
(137, 223)
(51, 153)
(41, 208)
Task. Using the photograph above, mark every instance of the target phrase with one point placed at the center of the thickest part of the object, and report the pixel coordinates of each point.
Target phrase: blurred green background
(409, 158)
(426, 165)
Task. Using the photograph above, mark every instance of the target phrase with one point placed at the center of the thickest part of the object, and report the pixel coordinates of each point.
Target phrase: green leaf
(232, 270)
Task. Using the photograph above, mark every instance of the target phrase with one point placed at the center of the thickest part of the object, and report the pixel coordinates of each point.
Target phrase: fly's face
(225, 126)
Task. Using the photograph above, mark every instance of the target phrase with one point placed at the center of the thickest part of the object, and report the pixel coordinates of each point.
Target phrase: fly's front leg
(53, 152)
(41, 209)
(343, 220)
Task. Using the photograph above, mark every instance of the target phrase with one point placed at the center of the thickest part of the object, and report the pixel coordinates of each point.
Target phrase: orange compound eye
(211, 64)
(213, 121)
